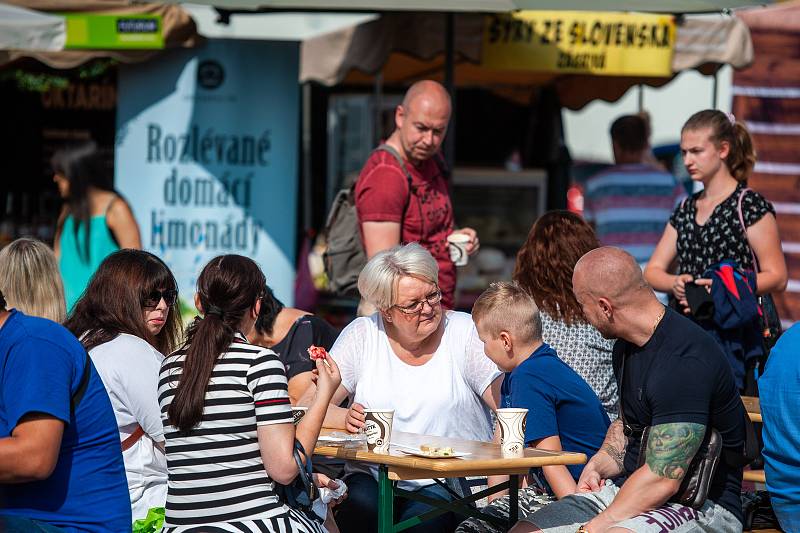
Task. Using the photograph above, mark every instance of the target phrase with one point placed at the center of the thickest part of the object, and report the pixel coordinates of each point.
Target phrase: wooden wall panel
(768, 94)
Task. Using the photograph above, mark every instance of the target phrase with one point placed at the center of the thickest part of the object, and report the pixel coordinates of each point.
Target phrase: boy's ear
(508, 343)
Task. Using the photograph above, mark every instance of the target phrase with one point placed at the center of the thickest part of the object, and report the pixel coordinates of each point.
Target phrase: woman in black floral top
(705, 229)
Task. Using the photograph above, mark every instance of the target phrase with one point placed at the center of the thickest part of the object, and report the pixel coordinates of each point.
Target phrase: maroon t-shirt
(381, 196)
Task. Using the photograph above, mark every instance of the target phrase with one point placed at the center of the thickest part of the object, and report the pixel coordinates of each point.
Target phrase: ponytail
(742, 160)
(227, 288)
(725, 128)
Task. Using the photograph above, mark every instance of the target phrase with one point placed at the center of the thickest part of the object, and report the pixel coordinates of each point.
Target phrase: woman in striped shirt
(227, 417)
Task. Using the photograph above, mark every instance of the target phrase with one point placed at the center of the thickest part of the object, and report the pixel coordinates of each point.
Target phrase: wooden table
(485, 459)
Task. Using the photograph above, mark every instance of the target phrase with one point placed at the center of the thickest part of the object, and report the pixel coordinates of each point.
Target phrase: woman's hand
(679, 288)
(328, 377)
(354, 421)
(323, 481)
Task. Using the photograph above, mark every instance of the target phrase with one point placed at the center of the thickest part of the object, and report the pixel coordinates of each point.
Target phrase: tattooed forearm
(615, 444)
(617, 455)
(671, 448)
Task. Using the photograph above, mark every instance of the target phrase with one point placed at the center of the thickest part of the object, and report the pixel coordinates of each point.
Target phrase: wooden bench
(753, 408)
(756, 476)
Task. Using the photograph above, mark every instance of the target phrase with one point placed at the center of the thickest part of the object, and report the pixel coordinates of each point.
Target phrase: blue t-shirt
(559, 402)
(41, 365)
(779, 390)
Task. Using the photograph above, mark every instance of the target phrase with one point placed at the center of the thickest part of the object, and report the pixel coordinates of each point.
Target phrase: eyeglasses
(154, 298)
(416, 307)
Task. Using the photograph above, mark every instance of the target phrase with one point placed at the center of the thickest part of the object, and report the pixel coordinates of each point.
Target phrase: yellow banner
(610, 44)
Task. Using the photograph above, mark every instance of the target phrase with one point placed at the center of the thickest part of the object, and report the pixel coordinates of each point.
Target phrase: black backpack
(344, 256)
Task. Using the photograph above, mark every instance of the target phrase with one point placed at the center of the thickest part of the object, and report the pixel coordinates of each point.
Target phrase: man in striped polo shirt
(630, 202)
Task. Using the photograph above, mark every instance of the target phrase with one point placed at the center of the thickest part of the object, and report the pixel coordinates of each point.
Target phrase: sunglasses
(154, 298)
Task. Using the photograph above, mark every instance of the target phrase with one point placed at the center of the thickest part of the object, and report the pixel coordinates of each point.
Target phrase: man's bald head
(422, 121)
(609, 272)
(428, 93)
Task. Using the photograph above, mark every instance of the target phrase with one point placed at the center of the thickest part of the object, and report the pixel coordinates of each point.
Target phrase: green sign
(103, 31)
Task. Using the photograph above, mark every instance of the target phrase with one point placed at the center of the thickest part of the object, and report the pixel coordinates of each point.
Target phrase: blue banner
(206, 154)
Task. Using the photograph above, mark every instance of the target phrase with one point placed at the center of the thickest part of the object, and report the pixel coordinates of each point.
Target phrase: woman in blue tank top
(94, 221)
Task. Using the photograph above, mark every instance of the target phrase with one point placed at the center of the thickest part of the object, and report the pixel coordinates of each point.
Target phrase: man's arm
(31, 452)
(379, 236)
(608, 462)
(670, 450)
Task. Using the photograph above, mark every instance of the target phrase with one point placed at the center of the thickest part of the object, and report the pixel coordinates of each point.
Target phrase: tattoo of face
(671, 448)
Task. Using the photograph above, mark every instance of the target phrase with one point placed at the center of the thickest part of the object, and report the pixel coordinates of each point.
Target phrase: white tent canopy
(23, 29)
(272, 26)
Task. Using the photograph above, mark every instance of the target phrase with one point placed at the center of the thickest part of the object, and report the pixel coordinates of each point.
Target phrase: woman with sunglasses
(127, 318)
(418, 359)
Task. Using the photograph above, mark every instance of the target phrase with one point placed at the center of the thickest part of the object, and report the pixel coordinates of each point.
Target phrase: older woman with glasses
(127, 318)
(411, 356)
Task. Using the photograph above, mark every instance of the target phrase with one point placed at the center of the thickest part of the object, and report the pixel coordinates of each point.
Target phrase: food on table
(437, 451)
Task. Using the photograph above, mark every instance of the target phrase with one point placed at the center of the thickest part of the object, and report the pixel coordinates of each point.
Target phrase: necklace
(658, 319)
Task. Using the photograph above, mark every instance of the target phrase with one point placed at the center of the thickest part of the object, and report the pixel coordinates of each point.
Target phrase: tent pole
(377, 97)
(307, 185)
(449, 83)
(640, 104)
(715, 89)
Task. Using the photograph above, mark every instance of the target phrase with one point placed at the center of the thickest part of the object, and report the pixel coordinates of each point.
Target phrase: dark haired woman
(289, 332)
(706, 229)
(227, 416)
(126, 319)
(94, 222)
(544, 269)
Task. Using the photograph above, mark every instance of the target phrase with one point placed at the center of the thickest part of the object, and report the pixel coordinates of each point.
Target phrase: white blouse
(129, 368)
(441, 397)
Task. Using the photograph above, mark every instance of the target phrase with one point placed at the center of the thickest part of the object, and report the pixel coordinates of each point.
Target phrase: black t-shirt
(681, 375)
(293, 348)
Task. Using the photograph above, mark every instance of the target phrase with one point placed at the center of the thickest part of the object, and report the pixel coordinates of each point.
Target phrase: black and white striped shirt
(215, 470)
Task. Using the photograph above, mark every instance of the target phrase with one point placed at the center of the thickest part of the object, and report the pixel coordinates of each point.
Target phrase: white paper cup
(512, 430)
(378, 429)
(458, 248)
(298, 413)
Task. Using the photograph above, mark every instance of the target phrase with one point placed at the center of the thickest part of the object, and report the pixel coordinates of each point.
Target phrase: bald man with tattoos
(672, 377)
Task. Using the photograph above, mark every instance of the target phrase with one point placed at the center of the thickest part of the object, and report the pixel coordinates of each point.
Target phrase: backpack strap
(390, 150)
(744, 228)
(84, 383)
(411, 190)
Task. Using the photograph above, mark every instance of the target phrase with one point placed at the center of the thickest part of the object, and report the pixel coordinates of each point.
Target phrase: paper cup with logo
(298, 413)
(378, 429)
(512, 430)
(457, 243)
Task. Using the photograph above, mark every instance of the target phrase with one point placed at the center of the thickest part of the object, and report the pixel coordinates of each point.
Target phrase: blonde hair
(30, 280)
(505, 306)
(378, 280)
(725, 128)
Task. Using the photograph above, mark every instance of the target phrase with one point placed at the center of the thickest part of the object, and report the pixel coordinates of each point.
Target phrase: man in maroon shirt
(388, 212)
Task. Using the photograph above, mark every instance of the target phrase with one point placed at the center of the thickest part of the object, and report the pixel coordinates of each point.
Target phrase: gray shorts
(568, 514)
(529, 502)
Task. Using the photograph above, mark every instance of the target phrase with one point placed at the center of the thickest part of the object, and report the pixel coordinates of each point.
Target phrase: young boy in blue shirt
(563, 411)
